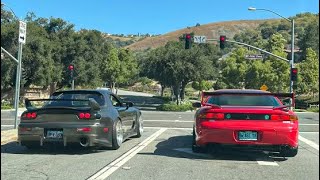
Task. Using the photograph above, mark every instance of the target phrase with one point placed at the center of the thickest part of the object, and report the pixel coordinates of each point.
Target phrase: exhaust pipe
(84, 142)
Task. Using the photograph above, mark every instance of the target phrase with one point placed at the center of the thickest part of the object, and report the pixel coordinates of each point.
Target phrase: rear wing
(281, 96)
(92, 103)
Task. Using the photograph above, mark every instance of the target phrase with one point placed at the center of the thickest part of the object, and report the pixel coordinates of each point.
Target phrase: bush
(313, 109)
(166, 99)
(174, 107)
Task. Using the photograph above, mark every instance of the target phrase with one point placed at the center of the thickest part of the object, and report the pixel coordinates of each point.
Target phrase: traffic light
(294, 74)
(222, 42)
(71, 68)
(188, 41)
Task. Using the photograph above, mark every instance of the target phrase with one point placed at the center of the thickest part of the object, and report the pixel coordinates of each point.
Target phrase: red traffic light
(222, 38)
(70, 67)
(294, 70)
(188, 36)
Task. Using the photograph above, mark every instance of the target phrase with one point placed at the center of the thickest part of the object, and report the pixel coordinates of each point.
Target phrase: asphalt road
(163, 152)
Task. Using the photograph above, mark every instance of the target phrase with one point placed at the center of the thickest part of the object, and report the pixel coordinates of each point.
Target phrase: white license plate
(248, 136)
(54, 134)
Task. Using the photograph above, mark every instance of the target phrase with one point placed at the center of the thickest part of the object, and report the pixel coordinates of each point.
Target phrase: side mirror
(196, 105)
(93, 104)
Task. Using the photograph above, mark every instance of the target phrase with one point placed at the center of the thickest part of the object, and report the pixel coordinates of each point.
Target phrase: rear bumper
(71, 134)
(269, 134)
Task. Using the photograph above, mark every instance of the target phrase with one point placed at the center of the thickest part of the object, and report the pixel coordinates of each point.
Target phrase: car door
(123, 112)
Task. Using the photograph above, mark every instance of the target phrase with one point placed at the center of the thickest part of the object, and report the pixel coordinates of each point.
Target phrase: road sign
(254, 56)
(22, 32)
(264, 87)
(199, 39)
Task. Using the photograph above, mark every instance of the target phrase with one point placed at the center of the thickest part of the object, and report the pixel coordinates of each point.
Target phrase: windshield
(74, 99)
(243, 100)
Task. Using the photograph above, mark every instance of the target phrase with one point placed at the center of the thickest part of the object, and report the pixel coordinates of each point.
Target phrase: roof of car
(239, 91)
(102, 91)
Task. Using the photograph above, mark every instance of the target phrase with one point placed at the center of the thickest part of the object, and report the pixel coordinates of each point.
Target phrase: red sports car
(246, 118)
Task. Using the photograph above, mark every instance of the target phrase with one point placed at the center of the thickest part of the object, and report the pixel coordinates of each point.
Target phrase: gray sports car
(89, 117)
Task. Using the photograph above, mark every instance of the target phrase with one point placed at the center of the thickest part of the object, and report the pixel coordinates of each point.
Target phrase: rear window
(243, 100)
(75, 95)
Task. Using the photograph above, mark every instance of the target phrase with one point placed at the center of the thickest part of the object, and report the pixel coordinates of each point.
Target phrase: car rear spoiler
(278, 95)
(92, 102)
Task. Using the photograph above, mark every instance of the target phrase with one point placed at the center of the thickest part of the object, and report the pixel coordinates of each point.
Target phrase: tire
(31, 145)
(139, 127)
(195, 147)
(117, 134)
(289, 151)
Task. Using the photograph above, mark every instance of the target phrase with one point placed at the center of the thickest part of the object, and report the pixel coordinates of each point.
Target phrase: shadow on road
(180, 147)
(52, 149)
(143, 102)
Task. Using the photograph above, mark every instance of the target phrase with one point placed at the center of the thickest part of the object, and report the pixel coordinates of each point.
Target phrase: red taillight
(85, 129)
(84, 115)
(23, 129)
(30, 115)
(211, 116)
(283, 117)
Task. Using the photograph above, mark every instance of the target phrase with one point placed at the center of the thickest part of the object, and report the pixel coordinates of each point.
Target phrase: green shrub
(166, 99)
(174, 107)
(313, 109)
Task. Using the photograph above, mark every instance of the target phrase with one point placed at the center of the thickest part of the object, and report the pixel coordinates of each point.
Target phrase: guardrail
(313, 105)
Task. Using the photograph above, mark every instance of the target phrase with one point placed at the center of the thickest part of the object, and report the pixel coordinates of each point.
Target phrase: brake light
(30, 115)
(84, 116)
(285, 117)
(85, 129)
(211, 116)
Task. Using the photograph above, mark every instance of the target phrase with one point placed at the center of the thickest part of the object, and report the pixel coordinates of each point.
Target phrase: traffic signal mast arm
(253, 48)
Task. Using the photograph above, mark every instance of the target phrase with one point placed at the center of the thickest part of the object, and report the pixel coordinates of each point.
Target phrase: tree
(308, 70)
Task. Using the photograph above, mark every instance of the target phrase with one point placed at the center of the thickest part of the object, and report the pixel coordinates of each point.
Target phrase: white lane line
(267, 163)
(309, 124)
(176, 120)
(166, 127)
(310, 143)
(7, 125)
(116, 164)
(308, 132)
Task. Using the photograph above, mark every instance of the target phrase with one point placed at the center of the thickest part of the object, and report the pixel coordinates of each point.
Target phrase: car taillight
(285, 117)
(211, 116)
(84, 115)
(30, 115)
(85, 129)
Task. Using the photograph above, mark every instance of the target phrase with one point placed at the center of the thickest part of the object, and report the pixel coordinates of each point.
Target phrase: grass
(313, 109)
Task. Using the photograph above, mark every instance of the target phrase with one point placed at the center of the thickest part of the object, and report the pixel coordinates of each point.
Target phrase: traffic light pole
(72, 84)
(253, 47)
(279, 57)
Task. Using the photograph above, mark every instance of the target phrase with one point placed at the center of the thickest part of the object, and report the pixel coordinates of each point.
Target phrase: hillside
(212, 30)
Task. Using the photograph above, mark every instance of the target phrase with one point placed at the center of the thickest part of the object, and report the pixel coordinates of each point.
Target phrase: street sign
(264, 87)
(254, 56)
(22, 32)
(199, 39)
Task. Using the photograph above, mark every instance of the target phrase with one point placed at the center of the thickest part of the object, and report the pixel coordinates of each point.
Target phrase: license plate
(248, 136)
(54, 134)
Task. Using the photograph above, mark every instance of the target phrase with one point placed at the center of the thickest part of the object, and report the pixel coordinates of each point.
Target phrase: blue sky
(155, 17)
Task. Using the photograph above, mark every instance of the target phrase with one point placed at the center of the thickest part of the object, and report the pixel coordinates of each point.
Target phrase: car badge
(248, 117)
(266, 117)
(228, 116)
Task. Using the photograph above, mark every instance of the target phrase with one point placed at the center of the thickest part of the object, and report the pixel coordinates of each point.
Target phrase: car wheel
(195, 147)
(139, 127)
(31, 145)
(289, 151)
(117, 134)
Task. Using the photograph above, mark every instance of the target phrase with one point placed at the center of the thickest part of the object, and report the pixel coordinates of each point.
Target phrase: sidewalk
(9, 136)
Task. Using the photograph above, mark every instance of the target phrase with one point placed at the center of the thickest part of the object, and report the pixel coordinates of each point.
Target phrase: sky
(155, 16)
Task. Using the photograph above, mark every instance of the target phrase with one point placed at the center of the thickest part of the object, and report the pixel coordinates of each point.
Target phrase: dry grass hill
(212, 30)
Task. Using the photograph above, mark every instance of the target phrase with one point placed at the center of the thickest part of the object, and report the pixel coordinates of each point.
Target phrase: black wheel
(289, 151)
(139, 127)
(117, 134)
(195, 147)
(31, 145)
